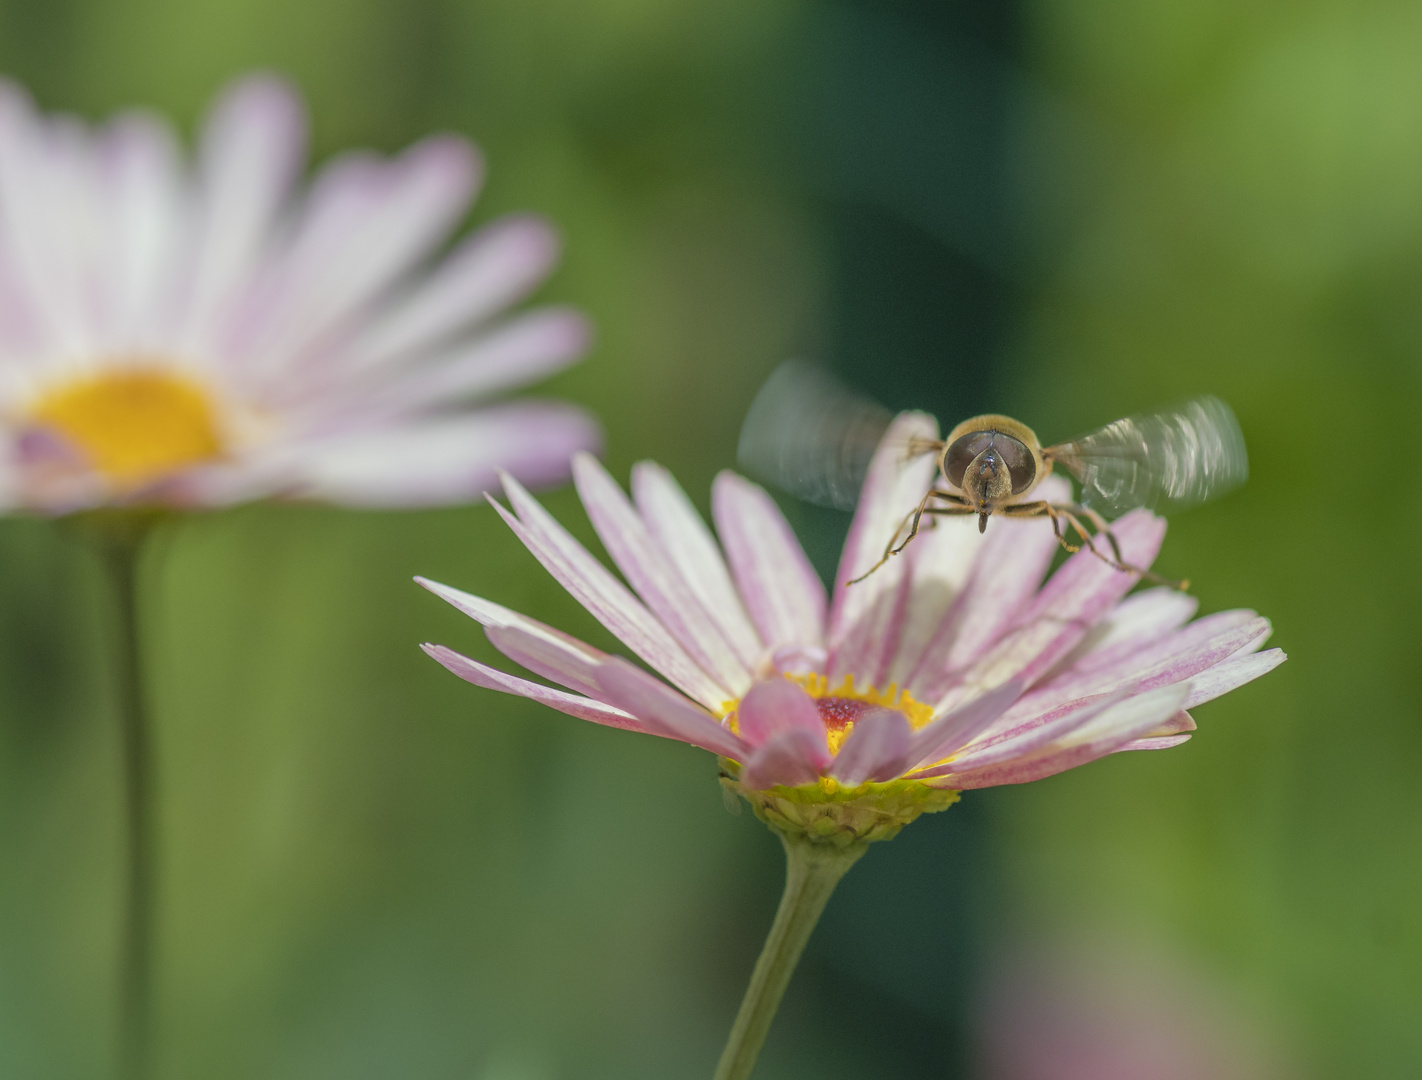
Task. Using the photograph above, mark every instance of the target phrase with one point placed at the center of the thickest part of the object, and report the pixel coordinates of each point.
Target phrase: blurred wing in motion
(810, 435)
(1164, 461)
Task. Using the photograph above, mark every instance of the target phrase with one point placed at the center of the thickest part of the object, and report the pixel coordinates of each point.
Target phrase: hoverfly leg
(1118, 563)
(916, 517)
(890, 550)
(1088, 540)
(1046, 510)
(1067, 545)
(918, 445)
(956, 505)
(1103, 528)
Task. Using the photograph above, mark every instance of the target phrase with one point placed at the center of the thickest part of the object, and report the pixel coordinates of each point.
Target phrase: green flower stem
(812, 870)
(118, 538)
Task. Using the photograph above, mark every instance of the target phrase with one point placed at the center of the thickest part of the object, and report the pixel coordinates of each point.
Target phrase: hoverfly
(814, 437)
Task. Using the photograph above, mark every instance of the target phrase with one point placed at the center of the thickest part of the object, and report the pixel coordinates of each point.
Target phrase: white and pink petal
(774, 707)
(1231, 674)
(1074, 600)
(1107, 731)
(252, 149)
(433, 461)
(878, 749)
(490, 271)
(686, 542)
(1013, 555)
(866, 616)
(785, 597)
(654, 579)
(791, 759)
(652, 701)
(606, 598)
(573, 705)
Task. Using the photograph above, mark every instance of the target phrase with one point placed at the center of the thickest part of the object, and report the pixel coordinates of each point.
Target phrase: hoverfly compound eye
(960, 454)
(1020, 463)
(1021, 466)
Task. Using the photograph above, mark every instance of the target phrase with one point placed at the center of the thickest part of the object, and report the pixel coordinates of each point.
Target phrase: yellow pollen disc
(837, 705)
(134, 425)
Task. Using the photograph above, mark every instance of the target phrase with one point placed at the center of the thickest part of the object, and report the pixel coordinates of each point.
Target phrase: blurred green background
(1065, 211)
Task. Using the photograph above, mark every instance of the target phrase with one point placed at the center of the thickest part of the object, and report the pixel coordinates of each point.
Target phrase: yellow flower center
(825, 812)
(134, 425)
(841, 706)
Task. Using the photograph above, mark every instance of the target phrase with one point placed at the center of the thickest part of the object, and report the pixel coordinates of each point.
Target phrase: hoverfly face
(989, 466)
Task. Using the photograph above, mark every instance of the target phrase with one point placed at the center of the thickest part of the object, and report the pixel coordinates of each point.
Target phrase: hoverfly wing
(811, 435)
(1162, 461)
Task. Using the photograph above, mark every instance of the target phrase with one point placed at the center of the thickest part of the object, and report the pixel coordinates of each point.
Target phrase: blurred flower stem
(812, 870)
(118, 537)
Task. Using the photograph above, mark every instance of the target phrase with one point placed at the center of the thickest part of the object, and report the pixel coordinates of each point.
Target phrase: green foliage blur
(1064, 211)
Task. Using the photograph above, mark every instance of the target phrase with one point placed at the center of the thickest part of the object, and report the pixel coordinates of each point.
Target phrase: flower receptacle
(825, 813)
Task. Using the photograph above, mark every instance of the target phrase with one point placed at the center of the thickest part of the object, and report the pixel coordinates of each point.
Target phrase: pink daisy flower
(843, 715)
(176, 333)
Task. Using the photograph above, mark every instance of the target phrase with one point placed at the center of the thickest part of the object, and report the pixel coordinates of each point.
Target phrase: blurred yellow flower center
(842, 705)
(825, 811)
(135, 425)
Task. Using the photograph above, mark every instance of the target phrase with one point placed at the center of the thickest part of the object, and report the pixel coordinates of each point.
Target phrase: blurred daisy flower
(178, 335)
(842, 717)
(181, 334)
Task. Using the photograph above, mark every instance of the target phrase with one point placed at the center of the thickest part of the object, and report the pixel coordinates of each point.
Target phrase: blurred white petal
(199, 335)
